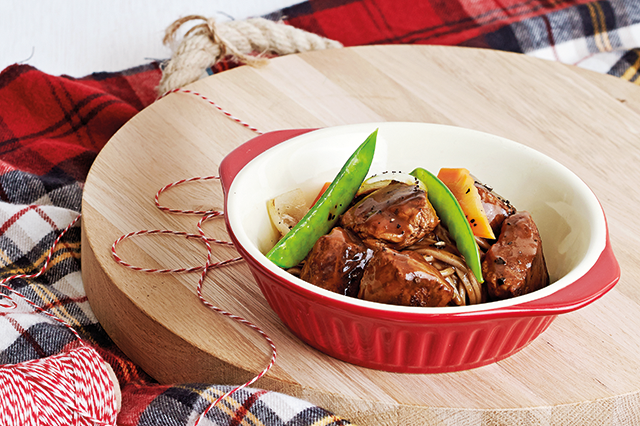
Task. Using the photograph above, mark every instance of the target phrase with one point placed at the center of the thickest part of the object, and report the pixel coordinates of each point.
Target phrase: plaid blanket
(603, 36)
(52, 128)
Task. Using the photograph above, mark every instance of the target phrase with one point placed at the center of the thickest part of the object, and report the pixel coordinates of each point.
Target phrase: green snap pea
(319, 220)
(451, 214)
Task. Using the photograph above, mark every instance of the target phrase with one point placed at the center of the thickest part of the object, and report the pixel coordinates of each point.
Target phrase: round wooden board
(582, 370)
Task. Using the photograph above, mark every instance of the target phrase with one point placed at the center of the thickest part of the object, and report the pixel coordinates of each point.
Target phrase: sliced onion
(287, 209)
(376, 182)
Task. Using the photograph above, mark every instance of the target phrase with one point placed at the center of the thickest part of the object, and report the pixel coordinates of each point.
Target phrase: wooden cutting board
(582, 370)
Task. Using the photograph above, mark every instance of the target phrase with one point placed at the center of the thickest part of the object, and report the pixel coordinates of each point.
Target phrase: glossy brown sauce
(371, 254)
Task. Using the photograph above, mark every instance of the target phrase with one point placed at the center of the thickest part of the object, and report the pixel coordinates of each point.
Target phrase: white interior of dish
(568, 215)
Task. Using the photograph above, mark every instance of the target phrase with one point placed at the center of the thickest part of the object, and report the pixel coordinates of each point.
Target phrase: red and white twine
(209, 265)
(204, 269)
(74, 387)
(228, 114)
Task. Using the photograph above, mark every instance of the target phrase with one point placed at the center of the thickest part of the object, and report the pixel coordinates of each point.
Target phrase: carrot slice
(461, 184)
(324, 188)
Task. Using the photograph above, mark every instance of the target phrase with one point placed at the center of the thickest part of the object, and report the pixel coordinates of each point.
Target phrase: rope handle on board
(209, 42)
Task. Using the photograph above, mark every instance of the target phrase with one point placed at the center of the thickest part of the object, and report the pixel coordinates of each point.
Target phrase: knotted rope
(248, 42)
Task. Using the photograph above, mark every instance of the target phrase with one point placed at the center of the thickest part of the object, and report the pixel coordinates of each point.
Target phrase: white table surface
(78, 37)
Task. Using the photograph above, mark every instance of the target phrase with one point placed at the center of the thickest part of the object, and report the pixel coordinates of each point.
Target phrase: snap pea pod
(444, 201)
(319, 220)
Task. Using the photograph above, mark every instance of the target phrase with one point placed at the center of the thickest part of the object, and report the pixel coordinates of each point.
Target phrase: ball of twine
(245, 42)
(74, 387)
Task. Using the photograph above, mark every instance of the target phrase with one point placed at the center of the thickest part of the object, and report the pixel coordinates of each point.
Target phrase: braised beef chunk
(403, 278)
(515, 265)
(496, 207)
(336, 262)
(397, 215)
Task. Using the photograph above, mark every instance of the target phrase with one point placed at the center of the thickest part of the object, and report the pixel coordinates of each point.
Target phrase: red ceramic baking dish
(570, 219)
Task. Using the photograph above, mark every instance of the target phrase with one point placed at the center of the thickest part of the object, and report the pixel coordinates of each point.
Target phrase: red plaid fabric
(598, 35)
(52, 128)
(358, 22)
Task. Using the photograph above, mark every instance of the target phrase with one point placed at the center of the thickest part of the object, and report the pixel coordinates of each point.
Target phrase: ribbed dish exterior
(401, 344)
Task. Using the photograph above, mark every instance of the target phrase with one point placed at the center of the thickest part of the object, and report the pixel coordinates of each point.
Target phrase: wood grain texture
(582, 369)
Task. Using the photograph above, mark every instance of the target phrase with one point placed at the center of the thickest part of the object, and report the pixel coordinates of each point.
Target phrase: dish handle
(601, 278)
(242, 155)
